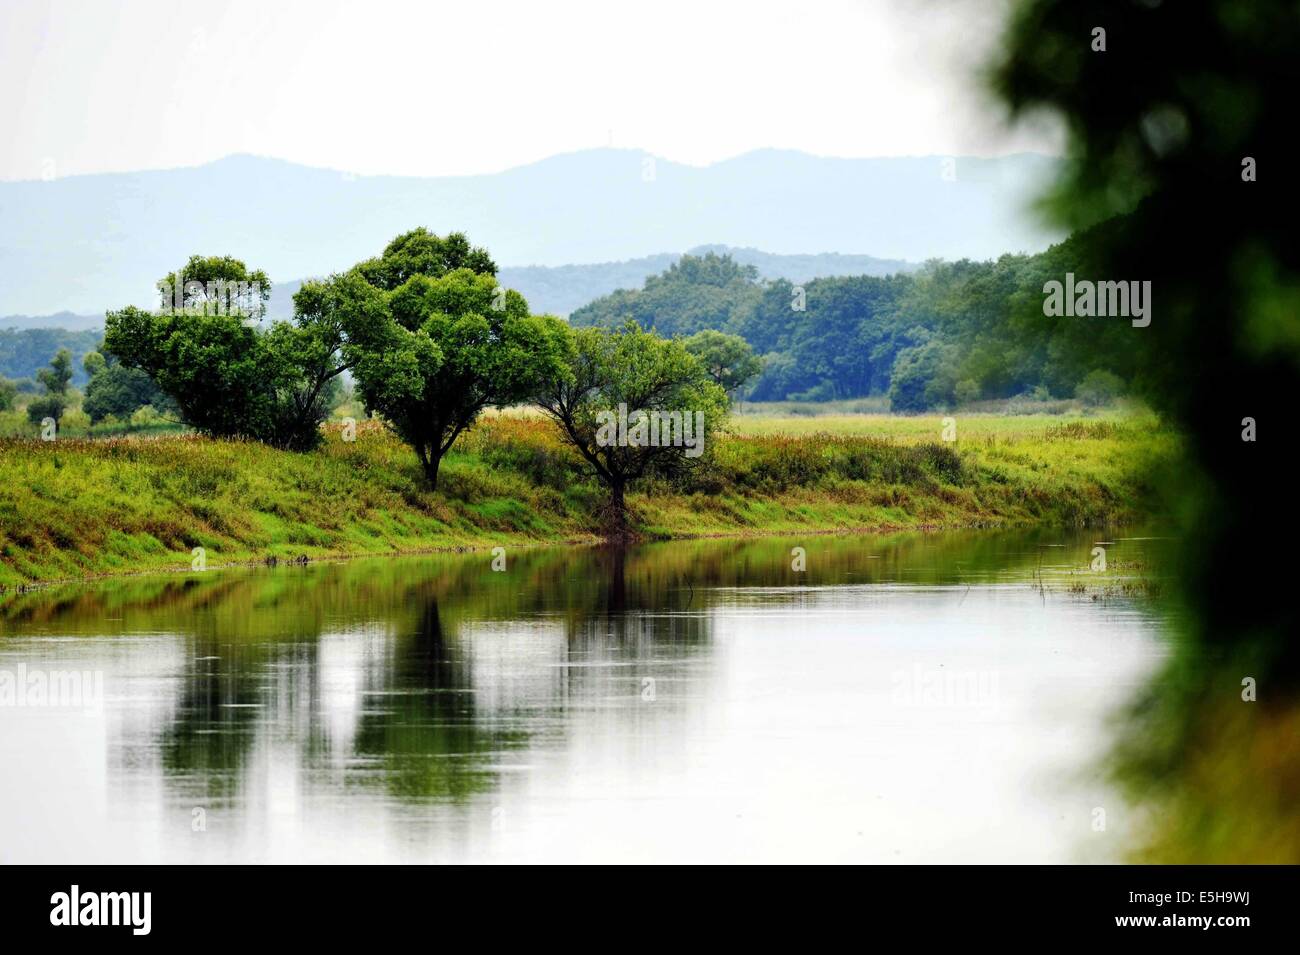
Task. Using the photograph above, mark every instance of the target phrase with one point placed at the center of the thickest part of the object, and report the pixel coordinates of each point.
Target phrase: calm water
(904, 699)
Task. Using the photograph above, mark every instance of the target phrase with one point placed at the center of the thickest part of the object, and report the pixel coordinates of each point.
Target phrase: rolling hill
(86, 242)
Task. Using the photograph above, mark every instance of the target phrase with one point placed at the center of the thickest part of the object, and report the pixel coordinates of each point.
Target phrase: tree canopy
(116, 390)
(631, 401)
(727, 359)
(433, 339)
(227, 375)
(55, 380)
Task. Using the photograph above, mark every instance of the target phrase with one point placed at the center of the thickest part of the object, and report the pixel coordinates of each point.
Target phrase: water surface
(905, 699)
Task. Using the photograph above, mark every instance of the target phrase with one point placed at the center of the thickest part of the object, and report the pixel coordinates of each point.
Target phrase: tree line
(947, 334)
(24, 350)
(430, 340)
(113, 391)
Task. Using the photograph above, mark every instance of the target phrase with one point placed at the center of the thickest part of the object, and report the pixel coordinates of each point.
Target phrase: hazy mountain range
(85, 243)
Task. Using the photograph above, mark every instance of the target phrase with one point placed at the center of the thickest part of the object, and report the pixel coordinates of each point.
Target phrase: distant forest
(946, 334)
(939, 335)
(23, 351)
(559, 289)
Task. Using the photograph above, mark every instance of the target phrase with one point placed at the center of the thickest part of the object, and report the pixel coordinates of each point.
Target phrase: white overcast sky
(423, 87)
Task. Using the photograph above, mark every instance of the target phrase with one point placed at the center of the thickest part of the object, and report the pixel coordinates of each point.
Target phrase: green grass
(80, 507)
(14, 423)
(927, 427)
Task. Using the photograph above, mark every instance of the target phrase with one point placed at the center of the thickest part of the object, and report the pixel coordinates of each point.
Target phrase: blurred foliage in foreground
(1178, 146)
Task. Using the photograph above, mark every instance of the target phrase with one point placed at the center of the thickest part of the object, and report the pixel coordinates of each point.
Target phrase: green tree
(421, 252)
(966, 392)
(215, 285)
(55, 379)
(693, 294)
(845, 339)
(842, 337)
(226, 374)
(727, 358)
(924, 377)
(1099, 388)
(1173, 128)
(94, 362)
(58, 375)
(24, 350)
(433, 339)
(626, 403)
(117, 390)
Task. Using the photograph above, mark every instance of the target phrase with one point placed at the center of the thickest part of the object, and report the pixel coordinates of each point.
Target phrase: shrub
(1099, 388)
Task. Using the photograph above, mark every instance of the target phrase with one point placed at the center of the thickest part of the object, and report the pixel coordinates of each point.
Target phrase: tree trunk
(430, 460)
(616, 522)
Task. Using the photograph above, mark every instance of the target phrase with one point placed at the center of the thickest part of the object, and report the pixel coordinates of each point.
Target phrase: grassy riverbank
(76, 508)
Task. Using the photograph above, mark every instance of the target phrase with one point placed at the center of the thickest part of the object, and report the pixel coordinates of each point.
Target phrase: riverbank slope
(81, 508)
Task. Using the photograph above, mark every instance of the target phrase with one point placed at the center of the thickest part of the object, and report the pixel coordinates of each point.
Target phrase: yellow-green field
(79, 507)
(966, 427)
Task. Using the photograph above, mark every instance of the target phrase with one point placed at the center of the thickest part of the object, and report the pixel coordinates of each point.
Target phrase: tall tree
(421, 252)
(207, 350)
(433, 339)
(215, 285)
(631, 401)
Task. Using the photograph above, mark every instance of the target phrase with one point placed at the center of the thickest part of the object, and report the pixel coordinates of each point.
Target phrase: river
(916, 698)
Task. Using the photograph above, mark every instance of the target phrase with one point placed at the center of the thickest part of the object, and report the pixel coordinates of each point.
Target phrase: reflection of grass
(422, 732)
(72, 508)
(268, 605)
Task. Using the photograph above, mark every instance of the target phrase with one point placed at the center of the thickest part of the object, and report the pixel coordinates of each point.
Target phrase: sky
(433, 88)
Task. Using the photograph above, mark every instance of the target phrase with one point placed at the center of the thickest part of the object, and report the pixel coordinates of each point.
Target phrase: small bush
(1099, 388)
